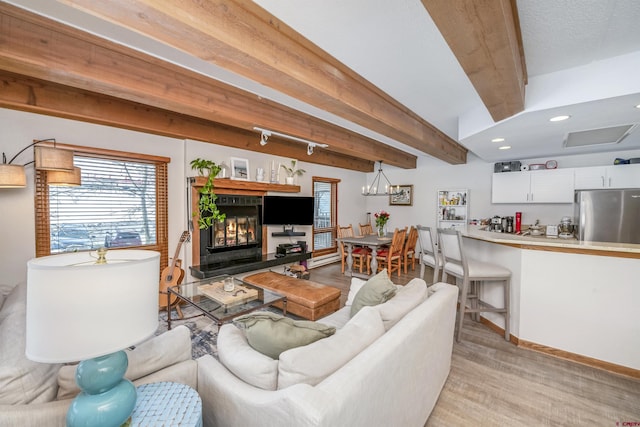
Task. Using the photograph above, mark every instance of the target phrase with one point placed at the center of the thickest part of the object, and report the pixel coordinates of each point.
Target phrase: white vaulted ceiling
(582, 59)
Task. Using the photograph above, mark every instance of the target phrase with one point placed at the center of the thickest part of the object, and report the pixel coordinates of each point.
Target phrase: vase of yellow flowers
(382, 218)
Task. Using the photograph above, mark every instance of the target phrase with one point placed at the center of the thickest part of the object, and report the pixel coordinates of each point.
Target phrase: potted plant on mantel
(207, 208)
(292, 171)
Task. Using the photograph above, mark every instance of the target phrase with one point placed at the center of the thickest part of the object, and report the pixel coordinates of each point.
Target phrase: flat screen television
(283, 210)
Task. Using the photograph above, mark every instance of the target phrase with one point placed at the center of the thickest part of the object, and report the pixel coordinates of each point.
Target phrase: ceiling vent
(612, 135)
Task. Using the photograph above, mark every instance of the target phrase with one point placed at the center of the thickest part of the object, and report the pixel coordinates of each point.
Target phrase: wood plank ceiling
(51, 68)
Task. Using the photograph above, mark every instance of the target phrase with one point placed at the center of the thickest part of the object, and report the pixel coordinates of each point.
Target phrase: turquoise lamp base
(107, 398)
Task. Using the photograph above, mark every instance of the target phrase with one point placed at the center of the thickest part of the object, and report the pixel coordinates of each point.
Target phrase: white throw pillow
(21, 380)
(356, 284)
(152, 355)
(243, 361)
(406, 299)
(314, 362)
(5, 290)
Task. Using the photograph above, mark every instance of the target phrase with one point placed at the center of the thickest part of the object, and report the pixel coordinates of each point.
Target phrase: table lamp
(88, 307)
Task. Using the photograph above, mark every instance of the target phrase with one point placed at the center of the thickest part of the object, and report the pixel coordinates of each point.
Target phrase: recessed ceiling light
(559, 118)
(504, 147)
(497, 140)
(638, 106)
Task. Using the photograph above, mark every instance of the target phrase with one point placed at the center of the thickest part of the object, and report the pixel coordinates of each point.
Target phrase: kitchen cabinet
(544, 186)
(453, 209)
(616, 176)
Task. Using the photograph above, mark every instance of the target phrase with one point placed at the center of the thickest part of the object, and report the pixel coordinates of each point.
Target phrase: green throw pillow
(271, 333)
(377, 290)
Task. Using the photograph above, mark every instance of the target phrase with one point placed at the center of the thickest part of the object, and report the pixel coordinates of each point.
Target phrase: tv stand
(286, 232)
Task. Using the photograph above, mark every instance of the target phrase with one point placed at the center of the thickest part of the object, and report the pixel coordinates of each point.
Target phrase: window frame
(333, 229)
(41, 197)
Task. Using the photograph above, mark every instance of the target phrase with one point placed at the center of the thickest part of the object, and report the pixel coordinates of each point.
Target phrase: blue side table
(167, 404)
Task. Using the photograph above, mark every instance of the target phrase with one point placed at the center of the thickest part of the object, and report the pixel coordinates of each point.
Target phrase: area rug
(204, 331)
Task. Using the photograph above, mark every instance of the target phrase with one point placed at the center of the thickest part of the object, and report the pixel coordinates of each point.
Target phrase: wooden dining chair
(366, 229)
(409, 250)
(359, 255)
(391, 257)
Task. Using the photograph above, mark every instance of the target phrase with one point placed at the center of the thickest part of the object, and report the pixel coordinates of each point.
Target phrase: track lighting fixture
(265, 134)
(264, 137)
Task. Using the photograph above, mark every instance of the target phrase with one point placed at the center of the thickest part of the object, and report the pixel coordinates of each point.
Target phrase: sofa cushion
(5, 290)
(356, 284)
(21, 380)
(377, 290)
(243, 361)
(405, 300)
(271, 333)
(152, 355)
(314, 362)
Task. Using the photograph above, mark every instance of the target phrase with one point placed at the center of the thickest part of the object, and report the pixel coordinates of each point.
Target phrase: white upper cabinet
(616, 176)
(544, 186)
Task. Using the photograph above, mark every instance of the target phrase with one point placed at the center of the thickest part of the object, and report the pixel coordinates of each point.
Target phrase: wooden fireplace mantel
(236, 186)
(231, 186)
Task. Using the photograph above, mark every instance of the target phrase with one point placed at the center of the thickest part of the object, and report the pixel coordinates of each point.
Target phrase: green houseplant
(292, 171)
(207, 208)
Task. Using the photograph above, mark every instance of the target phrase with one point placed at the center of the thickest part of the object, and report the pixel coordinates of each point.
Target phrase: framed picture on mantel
(403, 196)
(239, 169)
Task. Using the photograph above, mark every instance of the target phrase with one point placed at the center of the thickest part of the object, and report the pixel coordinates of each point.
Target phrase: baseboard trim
(561, 354)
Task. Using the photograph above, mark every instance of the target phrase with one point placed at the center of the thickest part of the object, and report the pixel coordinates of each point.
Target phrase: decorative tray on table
(240, 294)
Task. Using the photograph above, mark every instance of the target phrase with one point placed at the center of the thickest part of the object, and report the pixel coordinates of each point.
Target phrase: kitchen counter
(568, 298)
(572, 245)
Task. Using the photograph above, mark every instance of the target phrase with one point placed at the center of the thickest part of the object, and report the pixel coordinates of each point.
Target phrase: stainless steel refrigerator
(608, 215)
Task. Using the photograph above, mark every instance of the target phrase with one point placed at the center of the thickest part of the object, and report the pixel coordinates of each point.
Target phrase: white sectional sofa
(39, 394)
(385, 366)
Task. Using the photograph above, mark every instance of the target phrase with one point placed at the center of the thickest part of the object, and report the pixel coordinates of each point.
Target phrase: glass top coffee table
(212, 300)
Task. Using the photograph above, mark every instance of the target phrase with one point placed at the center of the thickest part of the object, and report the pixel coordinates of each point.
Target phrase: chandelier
(380, 186)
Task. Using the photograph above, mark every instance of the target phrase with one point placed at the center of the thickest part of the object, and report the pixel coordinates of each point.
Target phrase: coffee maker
(496, 224)
(509, 228)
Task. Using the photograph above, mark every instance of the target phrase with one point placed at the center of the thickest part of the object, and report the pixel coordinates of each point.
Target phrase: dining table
(371, 241)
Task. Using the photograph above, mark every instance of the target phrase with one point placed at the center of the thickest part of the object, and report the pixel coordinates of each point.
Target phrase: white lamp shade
(77, 309)
(12, 176)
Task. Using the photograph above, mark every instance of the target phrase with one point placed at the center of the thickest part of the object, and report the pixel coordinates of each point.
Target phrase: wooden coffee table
(222, 306)
(307, 299)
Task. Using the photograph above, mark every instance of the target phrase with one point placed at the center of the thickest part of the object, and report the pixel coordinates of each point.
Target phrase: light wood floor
(494, 383)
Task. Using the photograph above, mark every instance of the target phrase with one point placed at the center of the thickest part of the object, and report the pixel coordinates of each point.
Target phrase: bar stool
(429, 254)
(473, 274)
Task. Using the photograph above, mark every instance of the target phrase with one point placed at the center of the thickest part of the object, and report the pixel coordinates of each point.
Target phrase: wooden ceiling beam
(485, 38)
(37, 96)
(242, 37)
(40, 48)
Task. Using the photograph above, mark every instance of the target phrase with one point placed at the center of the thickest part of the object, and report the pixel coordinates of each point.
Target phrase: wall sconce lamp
(57, 162)
(265, 134)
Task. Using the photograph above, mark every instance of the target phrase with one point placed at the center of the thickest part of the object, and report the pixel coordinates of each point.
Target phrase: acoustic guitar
(172, 275)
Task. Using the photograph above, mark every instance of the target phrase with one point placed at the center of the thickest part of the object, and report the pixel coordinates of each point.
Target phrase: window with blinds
(121, 203)
(114, 207)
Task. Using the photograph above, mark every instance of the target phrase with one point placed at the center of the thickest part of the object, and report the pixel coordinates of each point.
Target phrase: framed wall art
(239, 168)
(402, 197)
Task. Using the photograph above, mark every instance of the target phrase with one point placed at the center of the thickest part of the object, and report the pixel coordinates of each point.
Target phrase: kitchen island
(572, 299)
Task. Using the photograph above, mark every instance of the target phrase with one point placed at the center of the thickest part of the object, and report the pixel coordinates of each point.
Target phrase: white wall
(17, 227)
(432, 175)
(17, 230)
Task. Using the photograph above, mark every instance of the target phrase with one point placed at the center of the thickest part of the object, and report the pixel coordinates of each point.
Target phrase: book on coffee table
(240, 294)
